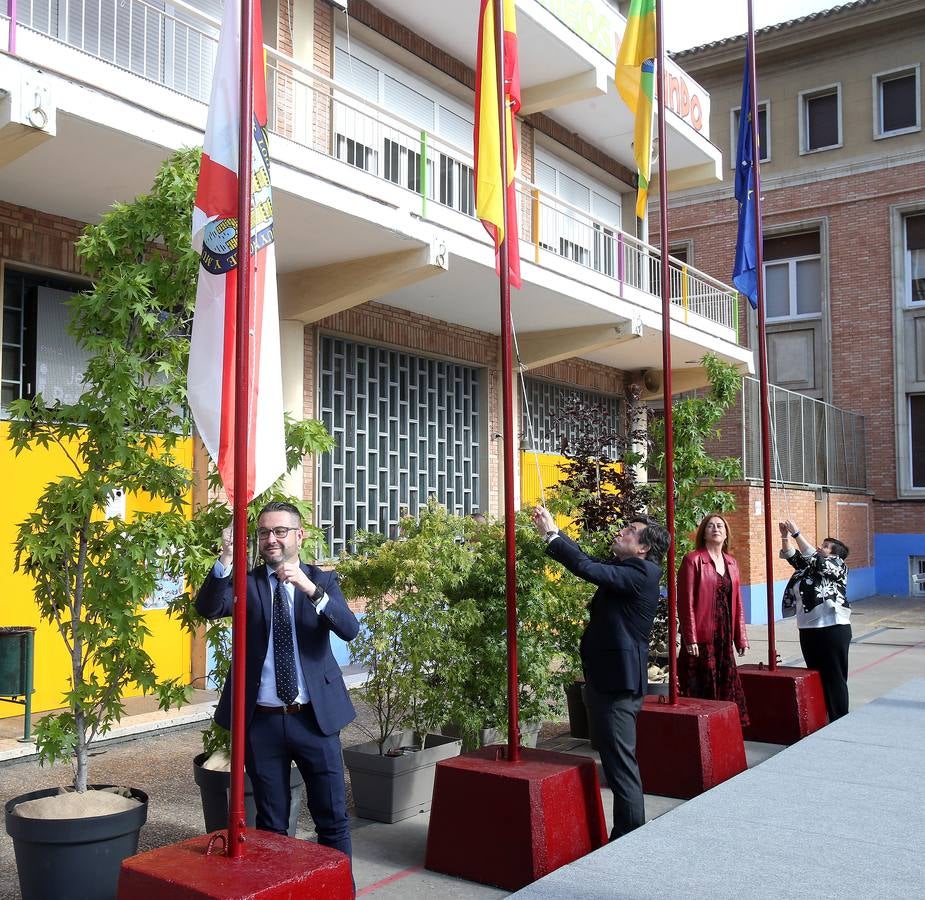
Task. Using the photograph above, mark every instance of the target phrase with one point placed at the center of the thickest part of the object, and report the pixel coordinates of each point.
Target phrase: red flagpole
(507, 367)
(237, 821)
(666, 357)
(762, 347)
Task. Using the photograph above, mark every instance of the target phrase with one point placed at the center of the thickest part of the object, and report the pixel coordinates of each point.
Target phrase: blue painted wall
(891, 554)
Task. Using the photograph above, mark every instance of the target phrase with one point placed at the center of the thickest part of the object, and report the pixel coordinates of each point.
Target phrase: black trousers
(272, 743)
(826, 651)
(615, 726)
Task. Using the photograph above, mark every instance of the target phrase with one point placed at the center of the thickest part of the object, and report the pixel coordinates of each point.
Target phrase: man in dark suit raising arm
(615, 646)
(295, 699)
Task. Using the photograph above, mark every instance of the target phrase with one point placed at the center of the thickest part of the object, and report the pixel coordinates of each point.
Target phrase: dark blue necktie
(287, 685)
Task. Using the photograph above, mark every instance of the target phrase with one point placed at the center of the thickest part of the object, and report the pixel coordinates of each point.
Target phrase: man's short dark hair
(655, 536)
(838, 548)
(281, 506)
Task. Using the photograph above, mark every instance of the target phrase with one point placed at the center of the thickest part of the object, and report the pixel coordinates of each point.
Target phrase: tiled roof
(781, 26)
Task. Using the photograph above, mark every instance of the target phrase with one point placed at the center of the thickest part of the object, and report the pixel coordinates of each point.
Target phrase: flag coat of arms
(211, 374)
(490, 195)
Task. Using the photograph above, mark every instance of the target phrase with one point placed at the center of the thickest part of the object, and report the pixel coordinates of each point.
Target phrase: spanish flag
(490, 195)
(635, 78)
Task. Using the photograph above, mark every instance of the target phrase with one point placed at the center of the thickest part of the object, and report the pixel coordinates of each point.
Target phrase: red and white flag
(215, 236)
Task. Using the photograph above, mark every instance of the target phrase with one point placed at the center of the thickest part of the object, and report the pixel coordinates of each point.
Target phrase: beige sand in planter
(71, 805)
(218, 761)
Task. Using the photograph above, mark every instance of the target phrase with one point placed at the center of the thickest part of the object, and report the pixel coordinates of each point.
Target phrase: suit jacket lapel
(300, 604)
(261, 577)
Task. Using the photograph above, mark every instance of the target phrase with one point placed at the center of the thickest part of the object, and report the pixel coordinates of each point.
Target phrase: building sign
(598, 25)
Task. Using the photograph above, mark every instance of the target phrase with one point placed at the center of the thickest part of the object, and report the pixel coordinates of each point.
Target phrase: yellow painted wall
(538, 469)
(23, 479)
(538, 473)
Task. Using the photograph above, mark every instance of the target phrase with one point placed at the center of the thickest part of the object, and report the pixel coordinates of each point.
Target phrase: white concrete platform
(839, 814)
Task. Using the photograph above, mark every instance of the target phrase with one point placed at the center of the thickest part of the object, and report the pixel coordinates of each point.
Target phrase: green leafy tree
(473, 678)
(697, 472)
(92, 573)
(405, 638)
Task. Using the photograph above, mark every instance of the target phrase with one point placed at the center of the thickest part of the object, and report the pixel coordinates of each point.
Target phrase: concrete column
(292, 348)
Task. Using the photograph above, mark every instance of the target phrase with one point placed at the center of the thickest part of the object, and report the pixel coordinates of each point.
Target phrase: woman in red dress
(712, 618)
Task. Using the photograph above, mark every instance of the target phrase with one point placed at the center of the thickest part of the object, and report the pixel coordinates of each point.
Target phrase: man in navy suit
(615, 646)
(295, 699)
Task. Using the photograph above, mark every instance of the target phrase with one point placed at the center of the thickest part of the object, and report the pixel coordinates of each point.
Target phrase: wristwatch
(550, 535)
(318, 596)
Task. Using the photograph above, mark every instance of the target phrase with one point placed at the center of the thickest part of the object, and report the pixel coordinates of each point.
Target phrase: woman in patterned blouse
(817, 592)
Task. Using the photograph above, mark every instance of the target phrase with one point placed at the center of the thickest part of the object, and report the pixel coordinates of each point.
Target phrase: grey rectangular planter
(392, 788)
(529, 732)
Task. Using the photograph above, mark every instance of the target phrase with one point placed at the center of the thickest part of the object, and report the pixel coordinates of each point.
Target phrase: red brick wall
(323, 62)
(38, 239)
(847, 517)
(856, 211)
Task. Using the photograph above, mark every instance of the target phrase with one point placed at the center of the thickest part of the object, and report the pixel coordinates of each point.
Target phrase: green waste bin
(16, 661)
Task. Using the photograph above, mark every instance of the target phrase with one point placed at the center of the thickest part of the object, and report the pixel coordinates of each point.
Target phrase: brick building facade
(847, 328)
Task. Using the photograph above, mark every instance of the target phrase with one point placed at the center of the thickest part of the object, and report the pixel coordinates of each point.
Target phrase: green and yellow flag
(635, 80)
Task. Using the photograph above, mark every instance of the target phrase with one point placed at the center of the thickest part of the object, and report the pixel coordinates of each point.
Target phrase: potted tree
(402, 644)
(474, 687)
(91, 573)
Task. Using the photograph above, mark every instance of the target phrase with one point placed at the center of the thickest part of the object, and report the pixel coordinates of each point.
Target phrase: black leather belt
(283, 710)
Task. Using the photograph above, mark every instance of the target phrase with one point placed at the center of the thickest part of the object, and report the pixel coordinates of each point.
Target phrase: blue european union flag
(745, 267)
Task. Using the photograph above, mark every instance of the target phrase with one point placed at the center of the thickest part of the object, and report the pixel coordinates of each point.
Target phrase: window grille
(406, 428)
(545, 400)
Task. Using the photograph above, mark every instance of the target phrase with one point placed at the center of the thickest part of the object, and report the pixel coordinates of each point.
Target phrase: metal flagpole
(507, 425)
(236, 815)
(666, 355)
(762, 344)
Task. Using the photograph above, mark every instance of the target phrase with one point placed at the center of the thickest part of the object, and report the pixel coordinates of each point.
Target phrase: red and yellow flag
(490, 194)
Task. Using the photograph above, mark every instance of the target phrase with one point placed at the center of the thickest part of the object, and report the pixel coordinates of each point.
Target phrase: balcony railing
(813, 443)
(174, 44)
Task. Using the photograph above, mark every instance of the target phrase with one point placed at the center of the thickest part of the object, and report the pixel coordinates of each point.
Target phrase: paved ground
(889, 650)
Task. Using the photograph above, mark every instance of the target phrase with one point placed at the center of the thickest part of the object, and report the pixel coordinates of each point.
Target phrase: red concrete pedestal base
(508, 824)
(687, 747)
(784, 705)
(272, 867)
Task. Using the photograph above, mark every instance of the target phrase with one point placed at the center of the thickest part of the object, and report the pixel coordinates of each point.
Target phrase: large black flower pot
(214, 787)
(74, 858)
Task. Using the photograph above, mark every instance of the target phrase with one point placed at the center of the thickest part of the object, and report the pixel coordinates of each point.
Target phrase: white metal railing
(555, 226)
(167, 42)
(174, 44)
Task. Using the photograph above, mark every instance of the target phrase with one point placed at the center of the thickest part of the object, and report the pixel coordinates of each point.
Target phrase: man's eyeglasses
(280, 532)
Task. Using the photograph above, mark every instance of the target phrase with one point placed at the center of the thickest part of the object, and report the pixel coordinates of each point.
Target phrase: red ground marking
(392, 878)
(877, 662)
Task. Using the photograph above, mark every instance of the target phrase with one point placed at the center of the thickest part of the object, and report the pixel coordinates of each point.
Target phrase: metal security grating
(543, 406)
(406, 428)
(814, 443)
